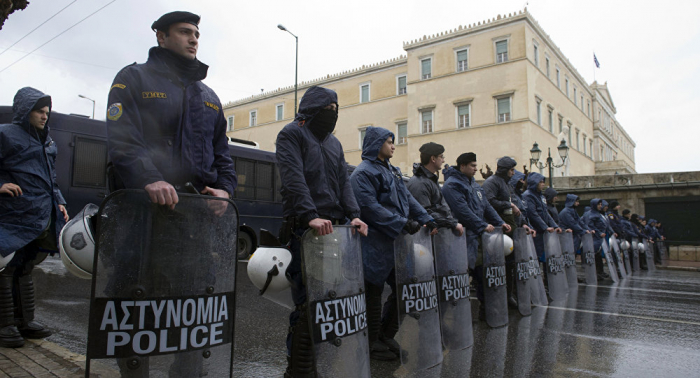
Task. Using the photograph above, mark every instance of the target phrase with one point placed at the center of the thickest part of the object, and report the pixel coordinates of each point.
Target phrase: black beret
(431, 149)
(625, 211)
(466, 158)
(164, 22)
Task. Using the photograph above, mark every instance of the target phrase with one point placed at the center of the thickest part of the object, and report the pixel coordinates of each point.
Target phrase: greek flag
(595, 60)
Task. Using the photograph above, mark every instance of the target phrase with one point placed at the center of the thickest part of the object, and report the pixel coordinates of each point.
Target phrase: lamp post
(296, 67)
(535, 153)
(93, 104)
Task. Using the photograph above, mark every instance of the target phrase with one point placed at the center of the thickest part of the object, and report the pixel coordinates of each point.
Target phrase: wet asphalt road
(646, 326)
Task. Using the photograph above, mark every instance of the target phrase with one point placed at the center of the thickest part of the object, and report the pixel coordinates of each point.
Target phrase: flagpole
(593, 65)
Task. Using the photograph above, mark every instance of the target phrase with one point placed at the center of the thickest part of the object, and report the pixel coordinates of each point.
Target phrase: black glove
(412, 227)
(431, 226)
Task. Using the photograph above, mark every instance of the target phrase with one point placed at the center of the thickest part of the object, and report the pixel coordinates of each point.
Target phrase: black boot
(302, 362)
(9, 334)
(27, 326)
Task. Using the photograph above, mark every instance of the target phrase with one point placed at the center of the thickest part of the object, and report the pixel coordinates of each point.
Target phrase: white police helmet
(77, 244)
(507, 245)
(6, 260)
(269, 264)
(625, 245)
(640, 246)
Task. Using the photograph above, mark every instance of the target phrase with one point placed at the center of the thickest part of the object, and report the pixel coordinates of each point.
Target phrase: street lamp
(535, 154)
(296, 67)
(93, 104)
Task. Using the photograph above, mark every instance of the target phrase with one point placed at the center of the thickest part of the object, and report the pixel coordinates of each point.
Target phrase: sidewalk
(44, 359)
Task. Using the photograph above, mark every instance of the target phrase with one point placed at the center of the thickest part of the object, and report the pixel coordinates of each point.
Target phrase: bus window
(246, 179)
(263, 182)
(90, 163)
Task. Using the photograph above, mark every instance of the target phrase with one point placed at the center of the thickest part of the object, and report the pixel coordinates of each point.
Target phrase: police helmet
(625, 245)
(6, 260)
(267, 268)
(640, 247)
(77, 244)
(507, 245)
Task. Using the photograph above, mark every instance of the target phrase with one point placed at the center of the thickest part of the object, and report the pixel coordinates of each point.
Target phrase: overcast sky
(649, 51)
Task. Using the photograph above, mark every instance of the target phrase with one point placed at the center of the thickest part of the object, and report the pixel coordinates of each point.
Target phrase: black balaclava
(323, 123)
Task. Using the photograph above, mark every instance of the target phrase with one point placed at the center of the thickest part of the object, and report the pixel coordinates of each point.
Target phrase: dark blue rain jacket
(27, 159)
(569, 218)
(630, 229)
(537, 212)
(469, 205)
(596, 222)
(385, 203)
(616, 224)
(518, 199)
(651, 231)
(314, 172)
(161, 127)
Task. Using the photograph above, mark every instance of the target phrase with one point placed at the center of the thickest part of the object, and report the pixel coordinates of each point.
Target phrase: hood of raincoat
(549, 194)
(594, 205)
(23, 103)
(373, 142)
(315, 99)
(450, 171)
(504, 165)
(533, 179)
(570, 200)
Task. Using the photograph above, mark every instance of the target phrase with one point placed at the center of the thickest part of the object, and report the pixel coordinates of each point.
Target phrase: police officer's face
(511, 172)
(183, 39)
(469, 169)
(541, 185)
(599, 206)
(387, 150)
(38, 118)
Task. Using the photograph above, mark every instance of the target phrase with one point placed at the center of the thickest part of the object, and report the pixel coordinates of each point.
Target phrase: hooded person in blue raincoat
(469, 205)
(517, 182)
(389, 209)
(569, 218)
(537, 212)
(596, 221)
(32, 211)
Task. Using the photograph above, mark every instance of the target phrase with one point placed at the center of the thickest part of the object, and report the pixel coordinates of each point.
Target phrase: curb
(679, 268)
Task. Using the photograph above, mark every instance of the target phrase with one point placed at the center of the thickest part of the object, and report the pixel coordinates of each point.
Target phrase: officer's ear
(160, 36)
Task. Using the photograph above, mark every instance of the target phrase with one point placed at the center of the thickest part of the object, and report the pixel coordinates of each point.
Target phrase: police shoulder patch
(120, 86)
(114, 111)
(611, 216)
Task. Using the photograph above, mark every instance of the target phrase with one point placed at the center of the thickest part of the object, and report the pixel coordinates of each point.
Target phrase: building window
(230, 123)
(539, 111)
(253, 118)
(426, 69)
(588, 108)
(578, 148)
(561, 123)
(503, 105)
(426, 121)
(566, 82)
(279, 112)
(590, 149)
(462, 56)
(558, 78)
(581, 102)
(575, 96)
(584, 144)
(502, 51)
(401, 85)
(546, 63)
(402, 132)
(463, 112)
(537, 55)
(569, 136)
(364, 93)
(363, 132)
(551, 120)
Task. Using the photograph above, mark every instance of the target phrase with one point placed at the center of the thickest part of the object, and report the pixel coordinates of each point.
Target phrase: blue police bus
(81, 172)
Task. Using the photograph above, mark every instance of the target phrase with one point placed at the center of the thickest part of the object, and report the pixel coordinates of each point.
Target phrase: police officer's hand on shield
(460, 229)
(569, 230)
(433, 227)
(321, 226)
(558, 230)
(218, 207)
(489, 228)
(412, 226)
(162, 193)
(505, 227)
(360, 225)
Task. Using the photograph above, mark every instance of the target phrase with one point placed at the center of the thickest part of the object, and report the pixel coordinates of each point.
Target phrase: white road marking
(622, 315)
(648, 290)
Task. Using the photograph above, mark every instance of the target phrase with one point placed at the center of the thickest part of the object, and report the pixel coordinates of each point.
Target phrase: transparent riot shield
(335, 293)
(649, 252)
(556, 275)
(663, 253)
(495, 294)
(538, 295)
(417, 297)
(615, 246)
(588, 259)
(626, 254)
(163, 287)
(452, 269)
(635, 255)
(566, 241)
(523, 281)
(609, 261)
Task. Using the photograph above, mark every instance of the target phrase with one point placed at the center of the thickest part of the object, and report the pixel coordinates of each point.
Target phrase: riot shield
(522, 270)
(495, 294)
(635, 255)
(626, 254)
(618, 256)
(538, 295)
(649, 252)
(417, 297)
(588, 259)
(163, 287)
(556, 275)
(566, 241)
(663, 253)
(609, 259)
(452, 268)
(335, 294)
